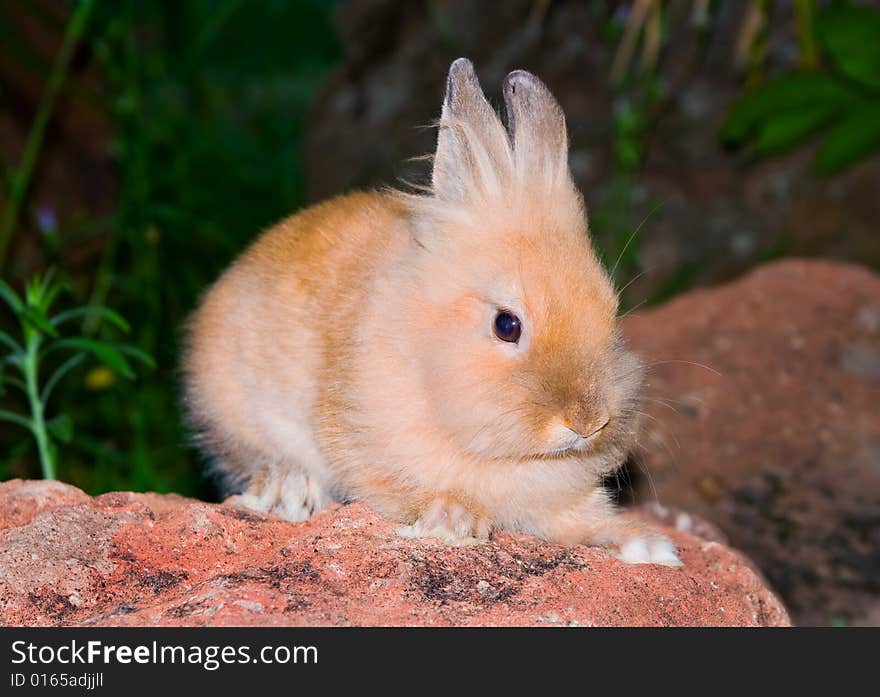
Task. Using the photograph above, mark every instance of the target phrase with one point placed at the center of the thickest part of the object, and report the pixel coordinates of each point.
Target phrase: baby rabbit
(451, 358)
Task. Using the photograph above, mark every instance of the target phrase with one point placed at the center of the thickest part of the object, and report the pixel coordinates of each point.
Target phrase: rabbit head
(520, 350)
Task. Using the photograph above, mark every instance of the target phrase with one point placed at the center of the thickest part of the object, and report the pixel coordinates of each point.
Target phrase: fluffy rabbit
(450, 358)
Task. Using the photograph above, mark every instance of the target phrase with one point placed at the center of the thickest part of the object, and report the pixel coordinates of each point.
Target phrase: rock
(148, 559)
(764, 418)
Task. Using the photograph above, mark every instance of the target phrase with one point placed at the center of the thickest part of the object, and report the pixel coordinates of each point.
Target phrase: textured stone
(147, 559)
(764, 418)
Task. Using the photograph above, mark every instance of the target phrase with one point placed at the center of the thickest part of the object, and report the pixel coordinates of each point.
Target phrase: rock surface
(764, 418)
(148, 559)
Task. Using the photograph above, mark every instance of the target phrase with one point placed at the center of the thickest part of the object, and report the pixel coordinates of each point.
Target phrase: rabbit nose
(587, 430)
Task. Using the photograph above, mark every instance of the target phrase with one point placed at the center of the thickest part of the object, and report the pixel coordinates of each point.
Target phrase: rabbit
(451, 357)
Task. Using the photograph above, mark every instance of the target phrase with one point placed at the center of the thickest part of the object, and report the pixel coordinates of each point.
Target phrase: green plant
(40, 338)
(21, 177)
(844, 100)
(200, 133)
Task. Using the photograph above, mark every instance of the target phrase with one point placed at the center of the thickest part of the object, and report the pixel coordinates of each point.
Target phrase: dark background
(732, 133)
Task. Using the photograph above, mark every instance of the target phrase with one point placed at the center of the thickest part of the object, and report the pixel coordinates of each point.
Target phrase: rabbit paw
(653, 549)
(291, 495)
(448, 519)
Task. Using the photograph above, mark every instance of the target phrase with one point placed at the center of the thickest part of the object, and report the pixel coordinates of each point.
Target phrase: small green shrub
(843, 102)
(42, 342)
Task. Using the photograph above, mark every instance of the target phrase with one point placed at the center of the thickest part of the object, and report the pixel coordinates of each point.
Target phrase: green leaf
(33, 290)
(852, 139)
(788, 129)
(104, 352)
(36, 318)
(137, 354)
(851, 38)
(11, 343)
(15, 382)
(61, 427)
(10, 297)
(59, 373)
(788, 93)
(16, 419)
(52, 294)
(89, 311)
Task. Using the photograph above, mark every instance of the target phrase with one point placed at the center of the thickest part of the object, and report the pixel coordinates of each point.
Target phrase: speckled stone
(149, 559)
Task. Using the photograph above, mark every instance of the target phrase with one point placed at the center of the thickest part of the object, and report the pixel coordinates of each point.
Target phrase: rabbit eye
(507, 326)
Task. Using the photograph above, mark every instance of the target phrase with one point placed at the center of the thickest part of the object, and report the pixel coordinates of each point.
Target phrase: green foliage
(20, 177)
(29, 355)
(629, 135)
(843, 102)
(851, 37)
(614, 220)
(207, 100)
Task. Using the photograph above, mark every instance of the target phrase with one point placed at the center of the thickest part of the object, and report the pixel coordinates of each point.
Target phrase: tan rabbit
(452, 358)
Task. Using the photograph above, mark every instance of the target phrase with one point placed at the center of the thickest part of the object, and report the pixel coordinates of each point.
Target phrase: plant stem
(805, 12)
(31, 365)
(21, 178)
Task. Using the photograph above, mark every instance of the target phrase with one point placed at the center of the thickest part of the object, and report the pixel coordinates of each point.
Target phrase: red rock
(148, 559)
(764, 418)
(21, 504)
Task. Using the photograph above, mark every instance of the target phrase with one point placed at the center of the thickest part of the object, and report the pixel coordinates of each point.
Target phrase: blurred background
(144, 144)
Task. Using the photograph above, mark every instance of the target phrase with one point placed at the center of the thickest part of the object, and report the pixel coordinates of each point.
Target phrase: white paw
(443, 534)
(292, 495)
(448, 521)
(649, 550)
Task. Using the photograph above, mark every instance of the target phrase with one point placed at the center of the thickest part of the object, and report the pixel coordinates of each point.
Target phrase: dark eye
(507, 326)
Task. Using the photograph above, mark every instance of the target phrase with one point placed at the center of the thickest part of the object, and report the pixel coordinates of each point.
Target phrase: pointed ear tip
(461, 81)
(461, 65)
(461, 70)
(521, 78)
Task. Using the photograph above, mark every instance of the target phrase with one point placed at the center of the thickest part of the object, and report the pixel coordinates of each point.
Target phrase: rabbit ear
(473, 151)
(537, 128)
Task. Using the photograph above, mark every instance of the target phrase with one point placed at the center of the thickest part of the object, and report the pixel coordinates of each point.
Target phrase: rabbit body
(452, 358)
